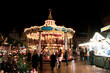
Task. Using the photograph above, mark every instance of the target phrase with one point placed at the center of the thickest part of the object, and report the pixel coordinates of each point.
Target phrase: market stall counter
(102, 61)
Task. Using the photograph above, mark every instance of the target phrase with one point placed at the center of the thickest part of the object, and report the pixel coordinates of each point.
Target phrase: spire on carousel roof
(50, 16)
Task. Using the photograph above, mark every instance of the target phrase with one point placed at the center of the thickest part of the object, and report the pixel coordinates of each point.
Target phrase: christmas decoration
(1, 57)
(23, 65)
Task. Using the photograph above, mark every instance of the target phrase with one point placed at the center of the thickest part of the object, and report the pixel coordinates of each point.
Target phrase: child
(57, 62)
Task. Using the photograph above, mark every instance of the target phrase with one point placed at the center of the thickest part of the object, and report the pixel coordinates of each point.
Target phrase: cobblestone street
(73, 67)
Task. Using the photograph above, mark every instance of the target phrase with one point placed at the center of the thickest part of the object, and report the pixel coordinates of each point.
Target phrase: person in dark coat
(28, 56)
(92, 54)
(35, 60)
(59, 58)
(53, 61)
(41, 60)
(82, 55)
(66, 57)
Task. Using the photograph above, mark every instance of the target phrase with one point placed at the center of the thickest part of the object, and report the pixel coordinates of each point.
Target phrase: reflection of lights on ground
(73, 65)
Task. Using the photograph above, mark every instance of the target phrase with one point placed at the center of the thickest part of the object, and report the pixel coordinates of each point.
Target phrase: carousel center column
(66, 52)
(39, 44)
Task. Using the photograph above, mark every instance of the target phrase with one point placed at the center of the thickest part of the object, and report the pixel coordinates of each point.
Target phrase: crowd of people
(87, 56)
(10, 65)
(34, 59)
(56, 59)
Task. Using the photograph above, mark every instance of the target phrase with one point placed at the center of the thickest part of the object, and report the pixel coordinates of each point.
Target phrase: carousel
(49, 37)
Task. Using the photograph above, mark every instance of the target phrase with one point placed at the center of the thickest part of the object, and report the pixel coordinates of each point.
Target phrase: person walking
(82, 54)
(35, 60)
(28, 56)
(57, 62)
(66, 57)
(92, 54)
(41, 60)
(59, 58)
(87, 57)
(53, 61)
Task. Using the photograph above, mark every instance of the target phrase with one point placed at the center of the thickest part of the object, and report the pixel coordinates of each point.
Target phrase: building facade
(106, 20)
(17, 36)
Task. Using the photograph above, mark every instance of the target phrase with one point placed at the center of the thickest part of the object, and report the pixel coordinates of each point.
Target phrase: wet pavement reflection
(75, 66)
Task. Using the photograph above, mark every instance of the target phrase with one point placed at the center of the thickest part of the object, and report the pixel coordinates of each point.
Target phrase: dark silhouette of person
(53, 61)
(82, 54)
(92, 54)
(59, 58)
(85, 55)
(28, 56)
(66, 57)
(41, 60)
(35, 60)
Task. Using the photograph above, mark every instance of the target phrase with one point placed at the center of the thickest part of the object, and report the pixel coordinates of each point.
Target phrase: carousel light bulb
(61, 48)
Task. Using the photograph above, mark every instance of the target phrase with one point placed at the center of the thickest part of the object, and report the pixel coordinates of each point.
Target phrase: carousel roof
(49, 28)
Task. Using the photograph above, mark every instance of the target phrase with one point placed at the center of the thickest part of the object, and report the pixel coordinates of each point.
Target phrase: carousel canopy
(49, 28)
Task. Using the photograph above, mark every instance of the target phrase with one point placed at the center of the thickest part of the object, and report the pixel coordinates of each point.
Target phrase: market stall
(101, 47)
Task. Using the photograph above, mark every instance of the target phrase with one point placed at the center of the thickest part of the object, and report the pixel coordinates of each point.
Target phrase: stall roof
(105, 34)
(97, 37)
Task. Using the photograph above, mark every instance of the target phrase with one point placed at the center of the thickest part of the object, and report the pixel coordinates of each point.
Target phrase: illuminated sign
(68, 30)
(50, 22)
(47, 28)
(63, 29)
(105, 28)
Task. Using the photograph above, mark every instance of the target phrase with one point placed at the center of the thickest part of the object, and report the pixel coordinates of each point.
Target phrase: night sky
(77, 16)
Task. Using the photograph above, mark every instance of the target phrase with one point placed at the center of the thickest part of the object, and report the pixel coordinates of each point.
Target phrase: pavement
(74, 66)
(48, 60)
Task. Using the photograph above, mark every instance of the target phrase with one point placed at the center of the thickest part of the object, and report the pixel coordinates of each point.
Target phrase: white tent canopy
(100, 44)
